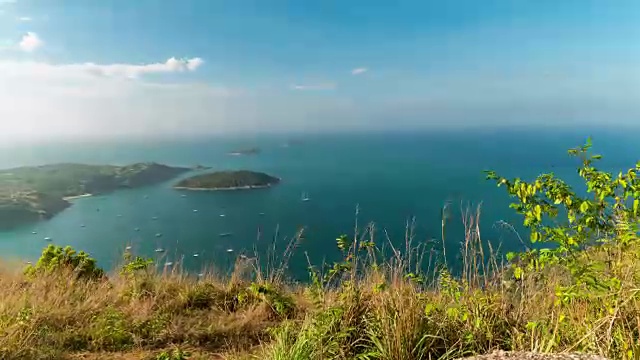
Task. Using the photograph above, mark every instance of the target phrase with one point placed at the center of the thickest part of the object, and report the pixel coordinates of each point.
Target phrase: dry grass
(373, 309)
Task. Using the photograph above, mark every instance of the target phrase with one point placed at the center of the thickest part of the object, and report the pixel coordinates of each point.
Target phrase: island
(251, 151)
(228, 180)
(29, 194)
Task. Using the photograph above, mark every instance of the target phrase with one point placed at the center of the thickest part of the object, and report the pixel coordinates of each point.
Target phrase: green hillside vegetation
(32, 193)
(574, 289)
(228, 180)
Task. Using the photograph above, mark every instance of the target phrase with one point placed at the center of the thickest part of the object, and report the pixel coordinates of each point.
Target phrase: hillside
(29, 194)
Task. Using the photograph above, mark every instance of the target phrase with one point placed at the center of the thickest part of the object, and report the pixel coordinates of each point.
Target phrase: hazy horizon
(135, 69)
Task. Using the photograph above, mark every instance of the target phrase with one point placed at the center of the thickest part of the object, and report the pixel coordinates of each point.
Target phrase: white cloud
(2, 2)
(325, 86)
(132, 71)
(93, 70)
(194, 63)
(358, 71)
(30, 42)
(24, 18)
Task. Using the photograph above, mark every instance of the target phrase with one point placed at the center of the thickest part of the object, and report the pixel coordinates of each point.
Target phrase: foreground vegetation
(574, 289)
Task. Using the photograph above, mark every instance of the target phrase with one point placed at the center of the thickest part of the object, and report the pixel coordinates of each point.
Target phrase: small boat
(168, 263)
(225, 234)
(200, 275)
(196, 255)
(229, 250)
(183, 195)
(195, 210)
(128, 248)
(146, 196)
(47, 239)
(119, 215)
(261, 214)
(159, 235)
(154, 218)
(159, 250)
(305, 197)
(82, 226)
(34, 232)
(136, 229)
(222, 215)
(243, 256)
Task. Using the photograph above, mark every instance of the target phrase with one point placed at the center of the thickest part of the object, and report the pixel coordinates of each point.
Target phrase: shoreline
(69, 198)
(223, 189)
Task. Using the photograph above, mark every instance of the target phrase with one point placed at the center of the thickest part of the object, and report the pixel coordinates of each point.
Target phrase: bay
(390, 178)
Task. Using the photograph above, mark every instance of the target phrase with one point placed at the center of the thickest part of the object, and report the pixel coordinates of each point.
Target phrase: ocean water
(391, 179)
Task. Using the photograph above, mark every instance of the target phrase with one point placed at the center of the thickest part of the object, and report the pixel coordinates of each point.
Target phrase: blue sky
(108, 68)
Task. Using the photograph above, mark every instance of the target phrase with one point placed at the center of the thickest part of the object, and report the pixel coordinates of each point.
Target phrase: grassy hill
(574, 289)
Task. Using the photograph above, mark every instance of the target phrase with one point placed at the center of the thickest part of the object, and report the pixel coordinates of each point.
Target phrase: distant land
(29, 194)
(250, 151)
(201, 167)
(228, 180)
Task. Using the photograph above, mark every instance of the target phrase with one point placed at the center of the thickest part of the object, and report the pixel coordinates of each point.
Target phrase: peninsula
(29, 194)
(228, 180)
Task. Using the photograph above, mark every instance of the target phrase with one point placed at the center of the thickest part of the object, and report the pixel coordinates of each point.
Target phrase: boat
(136, 229)
(196, 255)
(159, 250)
(261, 214)
(47, 239)
(225, 234)
(195, 210)
(159, 235)
(146, 196)
(119, 215)
(82, 226)
(154, 218)
(168, 263)
(200, 275)
(229, 250)
(305, 197)
(34, 232)
(222, 215)
(128, 248)
(183, 195)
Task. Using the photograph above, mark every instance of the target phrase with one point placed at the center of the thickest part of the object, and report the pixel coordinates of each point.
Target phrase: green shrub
(55, 258)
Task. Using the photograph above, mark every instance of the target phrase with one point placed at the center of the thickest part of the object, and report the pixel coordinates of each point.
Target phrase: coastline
(223, 189)
(69, 198)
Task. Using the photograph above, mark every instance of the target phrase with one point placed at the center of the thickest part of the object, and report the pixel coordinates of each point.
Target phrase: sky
(178, 68)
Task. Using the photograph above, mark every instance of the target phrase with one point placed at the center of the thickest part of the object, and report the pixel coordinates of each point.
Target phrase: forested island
(28, 194)
(228, 180)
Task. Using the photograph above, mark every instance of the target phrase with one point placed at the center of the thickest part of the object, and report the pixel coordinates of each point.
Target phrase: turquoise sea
(391, 178)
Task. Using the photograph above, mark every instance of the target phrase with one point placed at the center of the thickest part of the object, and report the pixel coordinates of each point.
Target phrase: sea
(391, 180)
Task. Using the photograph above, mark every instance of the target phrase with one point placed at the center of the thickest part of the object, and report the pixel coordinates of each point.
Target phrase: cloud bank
(43, 101)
